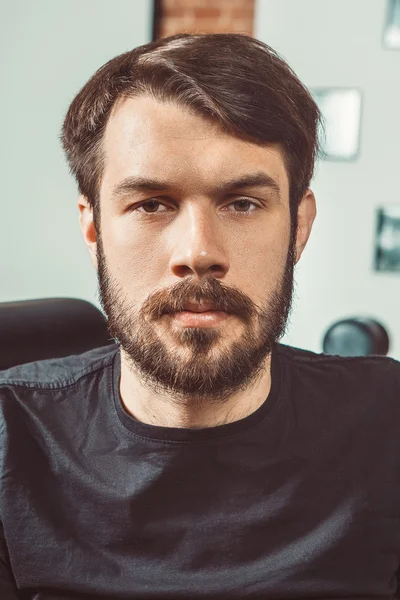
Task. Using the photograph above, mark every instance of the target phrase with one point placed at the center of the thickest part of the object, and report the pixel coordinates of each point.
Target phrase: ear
(88, 230)
(306, 214)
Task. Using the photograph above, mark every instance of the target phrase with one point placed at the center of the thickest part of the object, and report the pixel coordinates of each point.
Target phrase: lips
(199, 308)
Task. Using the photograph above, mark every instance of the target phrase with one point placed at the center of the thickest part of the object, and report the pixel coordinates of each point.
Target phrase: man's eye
(152, 205)
(243, 204)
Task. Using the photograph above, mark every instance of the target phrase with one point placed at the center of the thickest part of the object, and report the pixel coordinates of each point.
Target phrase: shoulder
(52, 394)
(42, 386)
(57, 373)
(353, 372)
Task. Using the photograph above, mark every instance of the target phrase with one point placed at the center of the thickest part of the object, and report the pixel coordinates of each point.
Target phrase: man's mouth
(199, 317)
(201, 307)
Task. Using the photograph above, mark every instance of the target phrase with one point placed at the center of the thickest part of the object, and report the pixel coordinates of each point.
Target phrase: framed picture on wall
(341, 111)
(391, 33)
(387, 239)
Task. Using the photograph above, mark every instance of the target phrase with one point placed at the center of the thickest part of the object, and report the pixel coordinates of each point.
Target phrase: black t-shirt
(300, 499)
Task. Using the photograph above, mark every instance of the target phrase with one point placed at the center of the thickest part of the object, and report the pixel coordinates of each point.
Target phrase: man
(197, 457)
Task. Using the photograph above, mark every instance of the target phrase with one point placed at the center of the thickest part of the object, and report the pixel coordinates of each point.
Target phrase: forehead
(148, 138)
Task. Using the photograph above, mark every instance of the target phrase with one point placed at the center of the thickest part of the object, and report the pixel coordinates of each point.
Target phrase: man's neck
(166, 411)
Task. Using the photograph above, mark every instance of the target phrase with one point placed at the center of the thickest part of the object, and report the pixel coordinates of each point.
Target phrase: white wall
(49, 49)
(339, 43)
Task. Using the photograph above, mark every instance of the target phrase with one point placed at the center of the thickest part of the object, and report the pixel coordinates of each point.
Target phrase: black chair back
(32, 330)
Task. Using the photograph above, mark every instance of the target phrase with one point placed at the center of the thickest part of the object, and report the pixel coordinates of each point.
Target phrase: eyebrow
(143, 184)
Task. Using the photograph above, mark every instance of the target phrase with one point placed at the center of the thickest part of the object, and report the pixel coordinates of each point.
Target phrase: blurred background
(50, 48)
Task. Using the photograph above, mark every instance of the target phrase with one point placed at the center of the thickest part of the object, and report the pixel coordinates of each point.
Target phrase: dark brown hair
(232, 79)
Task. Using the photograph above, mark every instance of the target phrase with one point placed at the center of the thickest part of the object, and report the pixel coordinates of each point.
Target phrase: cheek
(135, 260)
(263, 270)
(275, 256)
(258, 263)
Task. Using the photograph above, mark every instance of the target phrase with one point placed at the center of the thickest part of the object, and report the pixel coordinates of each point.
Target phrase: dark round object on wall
(356, 336)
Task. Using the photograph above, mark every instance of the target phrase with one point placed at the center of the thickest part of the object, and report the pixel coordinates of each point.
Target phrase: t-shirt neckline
(178, 434)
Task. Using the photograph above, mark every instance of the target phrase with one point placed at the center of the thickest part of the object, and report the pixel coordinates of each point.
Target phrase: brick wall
(203, 16)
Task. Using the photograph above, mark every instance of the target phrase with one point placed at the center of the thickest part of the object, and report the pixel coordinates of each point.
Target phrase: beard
(199, 365)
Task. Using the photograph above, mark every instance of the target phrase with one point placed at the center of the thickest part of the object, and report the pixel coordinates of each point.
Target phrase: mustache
(173, 299)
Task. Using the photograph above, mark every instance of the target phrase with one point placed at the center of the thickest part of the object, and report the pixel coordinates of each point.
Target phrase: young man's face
(193, 236)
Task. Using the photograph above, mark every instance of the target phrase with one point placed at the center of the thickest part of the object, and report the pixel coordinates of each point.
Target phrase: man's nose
(199, 245)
